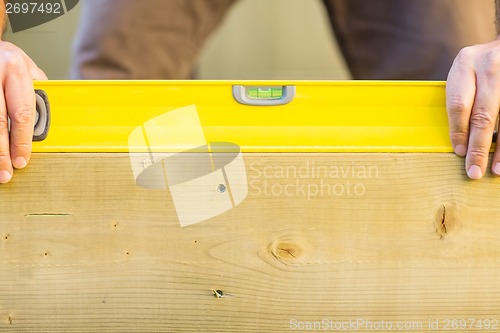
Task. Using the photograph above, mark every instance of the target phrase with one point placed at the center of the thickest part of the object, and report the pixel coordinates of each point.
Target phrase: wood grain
(409, 240)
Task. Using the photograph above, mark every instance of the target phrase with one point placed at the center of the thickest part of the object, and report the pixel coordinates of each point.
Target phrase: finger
(5, 161)
(495, 163)
(482, 124)
(460, 93)
(21, 108)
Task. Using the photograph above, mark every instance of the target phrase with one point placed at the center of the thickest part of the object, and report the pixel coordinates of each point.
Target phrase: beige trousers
(380, 39)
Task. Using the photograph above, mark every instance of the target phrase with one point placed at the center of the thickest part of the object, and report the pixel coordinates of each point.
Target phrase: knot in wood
(287, 251)
(447, 220)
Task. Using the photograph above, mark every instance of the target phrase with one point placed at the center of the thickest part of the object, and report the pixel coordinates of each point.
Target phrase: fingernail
(496, 169)
(475, 172)
(461, 150)
(5, 177)
(20, 162)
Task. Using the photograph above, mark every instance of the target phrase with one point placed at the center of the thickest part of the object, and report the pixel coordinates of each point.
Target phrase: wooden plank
(366, 240)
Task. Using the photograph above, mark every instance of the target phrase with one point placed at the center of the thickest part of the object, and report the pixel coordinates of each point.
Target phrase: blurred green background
(252, 43)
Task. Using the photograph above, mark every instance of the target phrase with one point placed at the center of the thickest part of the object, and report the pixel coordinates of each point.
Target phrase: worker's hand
(473, 101)
(17, 102)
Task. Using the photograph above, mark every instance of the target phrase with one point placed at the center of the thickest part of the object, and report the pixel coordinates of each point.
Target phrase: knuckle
(466, 52)
(491, 63)
(4, 157)
(13, 62)
(456, 104)
(464, 57)
(459, 135)
(482, 118)
(479, 152)
(21, 146)
(14, 59)
(4, 124)
(23, 115)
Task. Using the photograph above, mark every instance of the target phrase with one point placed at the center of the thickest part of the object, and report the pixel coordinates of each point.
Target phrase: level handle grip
(42, 120)
(263, 95)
